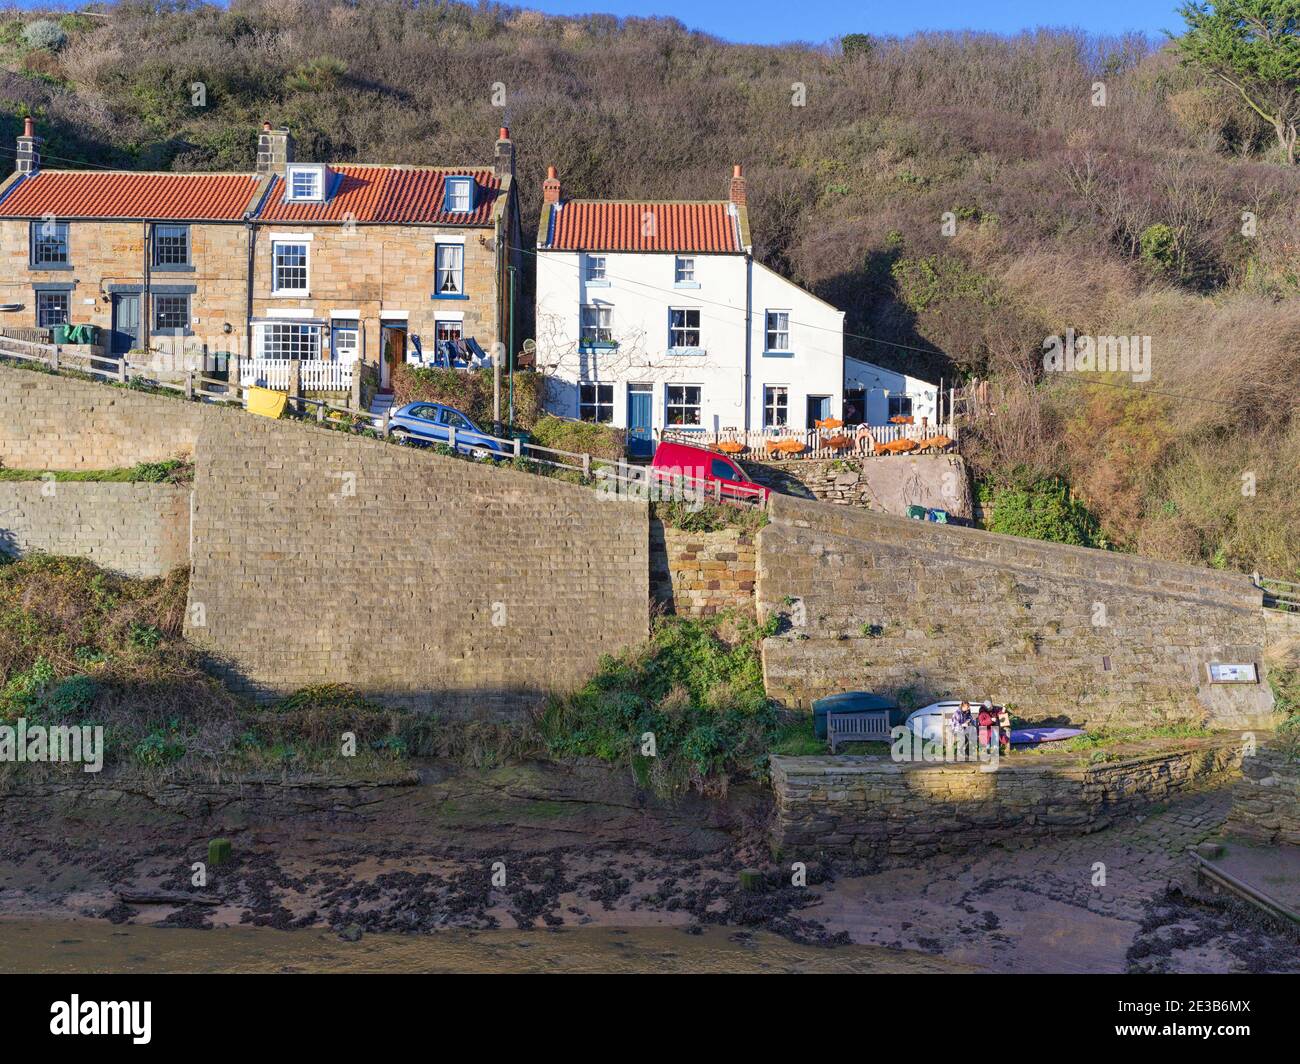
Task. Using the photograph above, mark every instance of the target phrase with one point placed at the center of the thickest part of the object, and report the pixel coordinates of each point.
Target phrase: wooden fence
(616, 477)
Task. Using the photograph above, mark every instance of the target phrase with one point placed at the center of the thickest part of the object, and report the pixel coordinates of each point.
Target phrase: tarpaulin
(267, 402)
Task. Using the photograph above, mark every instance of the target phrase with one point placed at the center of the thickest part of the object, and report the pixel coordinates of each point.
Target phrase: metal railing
(1281, 595)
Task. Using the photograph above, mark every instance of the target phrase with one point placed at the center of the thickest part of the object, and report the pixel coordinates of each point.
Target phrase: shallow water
(76, 947)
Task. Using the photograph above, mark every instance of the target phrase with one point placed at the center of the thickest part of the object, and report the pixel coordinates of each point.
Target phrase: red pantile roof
(124, 194)
(393, 194)
(596, 225)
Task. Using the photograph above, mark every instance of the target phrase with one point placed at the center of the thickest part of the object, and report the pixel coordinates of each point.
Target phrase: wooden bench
(857, 728)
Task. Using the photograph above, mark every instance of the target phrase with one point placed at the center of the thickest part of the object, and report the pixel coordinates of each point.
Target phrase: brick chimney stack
(504, 163)
(551, 187)
(274, 150)
(28, 156)
(738, 194)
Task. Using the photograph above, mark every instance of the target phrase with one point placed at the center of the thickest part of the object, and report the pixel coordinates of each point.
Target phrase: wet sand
(94, 947)
(463, 867)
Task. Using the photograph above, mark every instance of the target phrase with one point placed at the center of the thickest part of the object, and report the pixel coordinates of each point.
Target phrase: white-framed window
(171, 245)
(776, 406)
(449, 330)
(345, 339)
(289, 268)
(171, 313)
(450, 269)
(683, 407)
(596, 402)
(684, 327)
(778, 330)
(900, 406)
(460, 194)
(50, 243)
(53, 308)
(684, 270)
(287, 339)
(595, 267)
(597, 324)
(305, 183)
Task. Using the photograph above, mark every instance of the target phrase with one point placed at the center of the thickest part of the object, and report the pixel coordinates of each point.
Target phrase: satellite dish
(530, 346)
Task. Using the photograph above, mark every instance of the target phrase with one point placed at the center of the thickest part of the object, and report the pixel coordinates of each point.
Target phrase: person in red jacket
(1004, 729)
(986, 720)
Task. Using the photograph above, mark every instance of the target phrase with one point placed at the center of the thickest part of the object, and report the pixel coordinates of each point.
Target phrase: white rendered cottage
(654, 315)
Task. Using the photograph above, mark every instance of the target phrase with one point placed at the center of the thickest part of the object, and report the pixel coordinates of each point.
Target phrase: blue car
(431, 423)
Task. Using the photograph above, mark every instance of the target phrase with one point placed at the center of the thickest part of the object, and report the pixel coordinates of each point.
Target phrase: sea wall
(1266, 800)
(698, 574)
(926, 611)
(850, 806)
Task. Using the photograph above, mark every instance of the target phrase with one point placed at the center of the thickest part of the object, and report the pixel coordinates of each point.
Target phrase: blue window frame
(458, 195)
(449, 271)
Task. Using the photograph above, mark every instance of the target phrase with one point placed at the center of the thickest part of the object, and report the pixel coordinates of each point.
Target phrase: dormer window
(305, 184)
(459, 195)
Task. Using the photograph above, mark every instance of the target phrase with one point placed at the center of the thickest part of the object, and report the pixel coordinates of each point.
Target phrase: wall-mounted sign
(1221, 672)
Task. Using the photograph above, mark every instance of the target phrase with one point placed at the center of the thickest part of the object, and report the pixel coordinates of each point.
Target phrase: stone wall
(1266, 800)
(884, 484)
(429, 582)
(924, 611)
(57, 422)
(698, 574)
(140, 530)
(849, 806)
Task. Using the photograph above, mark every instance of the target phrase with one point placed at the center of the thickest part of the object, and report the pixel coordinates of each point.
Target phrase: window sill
(778, 354)
(291, 293)
(448, 295)
(172, 267)
(172, 332)
(687, 351)
(47, 267)
(686, 284)
(598, 345)
(597, 284)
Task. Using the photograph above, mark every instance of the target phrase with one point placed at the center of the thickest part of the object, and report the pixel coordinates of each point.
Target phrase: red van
(716, 474)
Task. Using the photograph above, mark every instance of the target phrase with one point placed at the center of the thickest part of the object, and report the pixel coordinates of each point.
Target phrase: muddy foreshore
(542, 846)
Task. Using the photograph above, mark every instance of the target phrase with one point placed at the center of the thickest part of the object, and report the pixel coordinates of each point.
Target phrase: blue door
(640, 421)
(819, 408)
(126, 323)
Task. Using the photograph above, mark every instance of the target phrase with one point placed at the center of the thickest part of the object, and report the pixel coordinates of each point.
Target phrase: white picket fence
(315, 375)
(816, 442)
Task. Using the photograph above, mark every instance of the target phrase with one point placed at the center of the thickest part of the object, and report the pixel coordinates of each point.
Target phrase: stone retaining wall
(58, 422)
(140, 530)
(849, 806)
(925, 611)
(698, 574)
(1266, 801)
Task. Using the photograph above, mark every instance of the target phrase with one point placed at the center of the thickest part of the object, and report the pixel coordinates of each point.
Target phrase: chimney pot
(504, 134)
(503, 164)
(551, 187)
(27, 158)
(738, 193)
(274, 150)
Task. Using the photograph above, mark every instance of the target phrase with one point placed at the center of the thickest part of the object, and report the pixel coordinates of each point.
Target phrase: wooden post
(189, 384)
(234, 375)
(295, 384)
(586, 466)
(519, 447)
(355, 400)
(451, 436)
(384, 427)
(320, 414)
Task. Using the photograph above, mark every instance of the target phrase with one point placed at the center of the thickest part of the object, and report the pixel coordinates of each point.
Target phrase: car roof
(668, 446)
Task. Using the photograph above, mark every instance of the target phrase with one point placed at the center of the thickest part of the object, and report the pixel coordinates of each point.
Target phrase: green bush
(43, 33)
(1040, 509)
(697, 686)
(581, 437)
(1159, 246)
(470, 391)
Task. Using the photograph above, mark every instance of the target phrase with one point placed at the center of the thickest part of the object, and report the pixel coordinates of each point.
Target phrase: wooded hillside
(1165, 212)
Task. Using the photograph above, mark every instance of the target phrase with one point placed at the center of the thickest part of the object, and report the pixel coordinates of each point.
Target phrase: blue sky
(774, 21)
